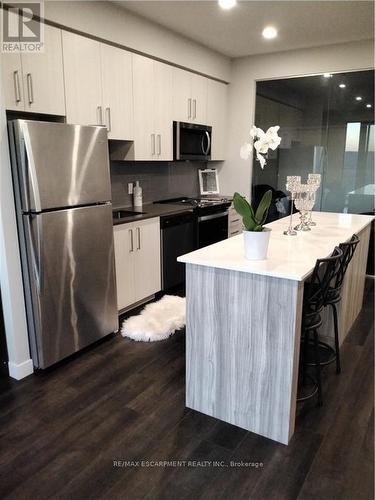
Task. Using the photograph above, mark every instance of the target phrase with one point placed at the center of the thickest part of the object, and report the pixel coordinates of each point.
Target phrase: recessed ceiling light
(269, 32)
(327, 75)
(227, 4)
(358, 98)
(368, 106)
(342, 85)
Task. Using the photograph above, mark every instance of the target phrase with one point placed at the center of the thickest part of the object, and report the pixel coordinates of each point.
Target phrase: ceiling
(237, 32)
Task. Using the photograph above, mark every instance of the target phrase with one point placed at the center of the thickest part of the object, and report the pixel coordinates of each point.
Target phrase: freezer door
(72, 280)
(60, 165)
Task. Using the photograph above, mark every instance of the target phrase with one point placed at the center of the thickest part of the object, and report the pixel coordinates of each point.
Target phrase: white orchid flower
(261, 146)
(265, 141)
(256, 132)
(272, 138)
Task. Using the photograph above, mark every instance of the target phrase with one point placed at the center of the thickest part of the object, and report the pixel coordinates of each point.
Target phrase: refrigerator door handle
(29, 171)
(36, 253)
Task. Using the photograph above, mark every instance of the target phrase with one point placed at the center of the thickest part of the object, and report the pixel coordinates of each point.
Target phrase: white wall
(20, 364)
(235, 173)
(113, 23)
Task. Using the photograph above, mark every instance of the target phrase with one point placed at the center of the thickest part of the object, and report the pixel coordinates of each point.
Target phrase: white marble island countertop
(289, 257)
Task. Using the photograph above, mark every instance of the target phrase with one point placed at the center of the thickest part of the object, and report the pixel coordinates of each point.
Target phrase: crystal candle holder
(292, 185)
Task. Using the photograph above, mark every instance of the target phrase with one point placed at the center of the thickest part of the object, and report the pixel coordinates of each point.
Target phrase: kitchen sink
(122, 214)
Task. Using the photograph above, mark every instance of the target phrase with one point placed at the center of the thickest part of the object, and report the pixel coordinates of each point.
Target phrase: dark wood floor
(61, 431)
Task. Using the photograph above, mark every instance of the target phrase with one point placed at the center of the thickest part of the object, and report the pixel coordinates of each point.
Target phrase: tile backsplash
(159, 180)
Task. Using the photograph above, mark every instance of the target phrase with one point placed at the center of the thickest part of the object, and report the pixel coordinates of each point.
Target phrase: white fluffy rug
(157, 321)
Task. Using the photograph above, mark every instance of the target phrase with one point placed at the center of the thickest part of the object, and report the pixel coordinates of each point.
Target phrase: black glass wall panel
(327, 127)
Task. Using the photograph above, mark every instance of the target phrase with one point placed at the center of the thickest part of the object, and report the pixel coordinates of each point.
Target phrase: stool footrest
(327, 354)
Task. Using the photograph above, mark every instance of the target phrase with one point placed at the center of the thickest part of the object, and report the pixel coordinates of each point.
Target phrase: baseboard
(22, 370)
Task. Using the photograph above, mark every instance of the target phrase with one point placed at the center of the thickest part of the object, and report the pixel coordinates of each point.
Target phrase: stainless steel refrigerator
(64, 215)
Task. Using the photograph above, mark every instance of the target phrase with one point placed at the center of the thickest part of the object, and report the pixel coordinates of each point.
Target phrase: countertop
(149, 210)
(289, 257)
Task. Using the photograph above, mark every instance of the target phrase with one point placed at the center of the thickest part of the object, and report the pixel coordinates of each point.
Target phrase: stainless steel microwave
(191, 141)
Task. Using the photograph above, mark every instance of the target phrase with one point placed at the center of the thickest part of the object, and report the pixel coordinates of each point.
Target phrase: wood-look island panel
(242, 349)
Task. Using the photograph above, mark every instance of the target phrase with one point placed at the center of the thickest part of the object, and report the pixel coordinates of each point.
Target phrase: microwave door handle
(205, 151)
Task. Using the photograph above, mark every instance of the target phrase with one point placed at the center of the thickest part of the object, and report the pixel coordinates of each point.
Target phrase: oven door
(191, 141)
(212, 228)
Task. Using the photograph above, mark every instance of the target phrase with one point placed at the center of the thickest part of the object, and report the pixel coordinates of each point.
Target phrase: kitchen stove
(199, 202)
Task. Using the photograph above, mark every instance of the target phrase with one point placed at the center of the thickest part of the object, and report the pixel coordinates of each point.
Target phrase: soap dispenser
(137, 195)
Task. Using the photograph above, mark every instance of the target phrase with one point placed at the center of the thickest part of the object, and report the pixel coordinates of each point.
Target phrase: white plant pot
(256, 244)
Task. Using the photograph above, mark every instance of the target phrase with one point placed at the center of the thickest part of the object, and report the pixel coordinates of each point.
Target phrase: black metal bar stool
(315, 294)
(328, 354)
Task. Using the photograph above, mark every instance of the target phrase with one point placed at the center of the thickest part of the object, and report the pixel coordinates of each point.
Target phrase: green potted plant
(256, 236)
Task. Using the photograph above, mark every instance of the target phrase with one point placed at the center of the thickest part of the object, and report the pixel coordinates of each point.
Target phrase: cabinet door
(124, 260)
(83, 88)
(217, 118)
(11, 74)
(11, 69)
(117, 81)
(199, 97)
(163, 111)
(182, 100)
(143, 92)
(147, 256)
(43, 76)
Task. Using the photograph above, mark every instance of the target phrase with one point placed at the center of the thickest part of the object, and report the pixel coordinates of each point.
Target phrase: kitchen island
(244, 321)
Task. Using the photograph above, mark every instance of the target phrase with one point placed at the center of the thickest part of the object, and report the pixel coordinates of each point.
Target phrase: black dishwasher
(178, 236)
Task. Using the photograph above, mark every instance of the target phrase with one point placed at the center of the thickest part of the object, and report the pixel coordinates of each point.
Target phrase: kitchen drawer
(234, 233)
(235, 225)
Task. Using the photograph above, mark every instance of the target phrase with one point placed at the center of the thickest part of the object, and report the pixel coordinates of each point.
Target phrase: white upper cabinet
(43, 76)
(163, 121)
(117, 86)
(189, 97)
(12, 81)
(83, 87)
(217, 118)
(143, 91)
(98, 85)
(152, 89)
(34, 81)
(199, 98)
(182, 101)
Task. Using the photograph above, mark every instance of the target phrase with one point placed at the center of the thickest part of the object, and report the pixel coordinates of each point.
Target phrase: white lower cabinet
(137, 257)
(235, 225)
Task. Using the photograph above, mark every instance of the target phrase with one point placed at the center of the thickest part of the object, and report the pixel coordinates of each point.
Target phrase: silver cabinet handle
(139, 238)
(16, 81)
(159, 144)
(30, 92)
(131, 241)
(189, 108)
(195, 109)
(152, 144)
(109, 124)
(99, 115)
